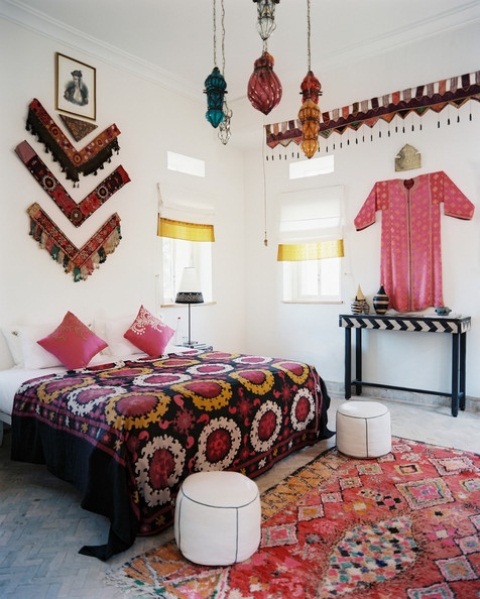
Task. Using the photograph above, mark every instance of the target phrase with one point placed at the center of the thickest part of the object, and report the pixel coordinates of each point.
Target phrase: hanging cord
(214, 33)
(309, 31)
(265, 238)
(223, 38)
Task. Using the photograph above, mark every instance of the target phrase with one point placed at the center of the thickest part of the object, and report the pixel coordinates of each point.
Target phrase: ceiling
(173, 39)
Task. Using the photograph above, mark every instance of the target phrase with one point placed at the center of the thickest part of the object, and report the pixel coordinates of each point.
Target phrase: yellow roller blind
(176, 229)
(290, 252)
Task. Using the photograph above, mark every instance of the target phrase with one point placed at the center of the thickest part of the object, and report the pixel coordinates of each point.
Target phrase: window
(178, 254)
(186, 231)
(312, 167)
(311, 244)
(185, 164)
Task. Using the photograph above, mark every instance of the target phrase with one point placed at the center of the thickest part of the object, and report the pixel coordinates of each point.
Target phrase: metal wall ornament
(215, 84)
(309, 114)
(407, 159)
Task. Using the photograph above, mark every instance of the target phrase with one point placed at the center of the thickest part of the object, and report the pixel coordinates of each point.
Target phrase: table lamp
(189, 293)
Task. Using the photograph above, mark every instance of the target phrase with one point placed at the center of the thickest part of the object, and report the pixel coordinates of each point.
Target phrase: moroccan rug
(403, 525)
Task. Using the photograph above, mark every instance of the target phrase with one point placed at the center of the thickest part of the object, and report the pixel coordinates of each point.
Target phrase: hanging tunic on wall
(411, 253)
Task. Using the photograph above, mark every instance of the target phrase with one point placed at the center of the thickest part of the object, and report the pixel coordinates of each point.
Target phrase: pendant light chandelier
(309, 114)
(215, 84)
(264, 87)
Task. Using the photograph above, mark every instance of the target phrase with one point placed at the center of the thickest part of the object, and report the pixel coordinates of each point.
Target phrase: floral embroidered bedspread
(127, 434)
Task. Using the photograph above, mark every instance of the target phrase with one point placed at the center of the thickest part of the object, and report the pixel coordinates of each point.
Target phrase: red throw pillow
(149, 333)
(72, 342)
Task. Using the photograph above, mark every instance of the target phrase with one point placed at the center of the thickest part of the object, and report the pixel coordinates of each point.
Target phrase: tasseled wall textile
(88, 160)
(76, 213)
(418, 100)
(80, 262)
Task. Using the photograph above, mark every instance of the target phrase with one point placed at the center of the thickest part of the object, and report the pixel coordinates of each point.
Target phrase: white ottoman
(217, 518)
(363, 429)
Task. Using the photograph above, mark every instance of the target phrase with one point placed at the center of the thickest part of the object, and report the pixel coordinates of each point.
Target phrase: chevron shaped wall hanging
(80, 262)
(88, 160)
(76, 213)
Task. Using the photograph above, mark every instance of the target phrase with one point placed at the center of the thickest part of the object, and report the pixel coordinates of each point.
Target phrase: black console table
(456, 326)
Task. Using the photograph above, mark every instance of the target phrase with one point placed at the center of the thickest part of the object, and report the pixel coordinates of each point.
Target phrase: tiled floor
(42, 525)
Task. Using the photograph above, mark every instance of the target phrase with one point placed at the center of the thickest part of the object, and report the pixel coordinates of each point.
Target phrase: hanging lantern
(215, 88)
(311, 87)
(215, 84)
(309, 116)
(224, 132)
(266, 17)
(264, 87)
(309, 113)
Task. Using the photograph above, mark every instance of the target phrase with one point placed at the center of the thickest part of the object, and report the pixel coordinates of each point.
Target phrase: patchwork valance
(432, 96)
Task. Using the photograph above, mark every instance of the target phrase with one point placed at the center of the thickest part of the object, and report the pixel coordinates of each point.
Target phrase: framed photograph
(75, 84)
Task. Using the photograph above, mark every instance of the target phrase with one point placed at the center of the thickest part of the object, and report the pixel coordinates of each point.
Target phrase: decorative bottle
(381, 301)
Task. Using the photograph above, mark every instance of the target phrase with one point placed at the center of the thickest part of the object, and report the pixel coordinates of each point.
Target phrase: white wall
(248, 314)
(311, 332)
(152, 120)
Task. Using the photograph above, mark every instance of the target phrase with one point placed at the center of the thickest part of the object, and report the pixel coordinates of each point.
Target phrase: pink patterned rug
(406, 525)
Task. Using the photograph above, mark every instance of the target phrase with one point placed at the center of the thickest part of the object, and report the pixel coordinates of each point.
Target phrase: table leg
(463, 370)
(358, 360)
(455, 371)
(348, 363)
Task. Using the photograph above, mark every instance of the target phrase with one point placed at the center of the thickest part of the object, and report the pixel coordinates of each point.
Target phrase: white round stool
(363, 429)
(217, 518)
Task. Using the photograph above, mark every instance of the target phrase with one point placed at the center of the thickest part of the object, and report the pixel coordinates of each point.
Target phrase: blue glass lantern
(215, 88)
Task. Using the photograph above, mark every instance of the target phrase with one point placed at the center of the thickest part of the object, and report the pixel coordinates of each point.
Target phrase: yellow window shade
(176, 229)
(289, 252)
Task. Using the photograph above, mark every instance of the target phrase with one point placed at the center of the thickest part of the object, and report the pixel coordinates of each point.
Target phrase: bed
(127, 432)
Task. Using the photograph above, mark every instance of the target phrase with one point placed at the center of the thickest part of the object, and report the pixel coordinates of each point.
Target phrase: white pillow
(12, 337)
(26, 352)
(114, 330)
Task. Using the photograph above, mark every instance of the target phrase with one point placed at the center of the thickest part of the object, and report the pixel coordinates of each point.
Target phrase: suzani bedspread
(126, 434)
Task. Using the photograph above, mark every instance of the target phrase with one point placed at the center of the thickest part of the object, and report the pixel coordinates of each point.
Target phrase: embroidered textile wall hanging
(411, 254)
(432, 96)
(78, 129)
(88, 160)
(76, 213)
(80, 262)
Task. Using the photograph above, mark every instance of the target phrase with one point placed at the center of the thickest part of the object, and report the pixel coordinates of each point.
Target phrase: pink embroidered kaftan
(411, 253)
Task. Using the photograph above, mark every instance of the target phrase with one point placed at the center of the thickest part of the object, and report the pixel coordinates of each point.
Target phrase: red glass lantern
(264, 87)
(311, 87)
(309, 116)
